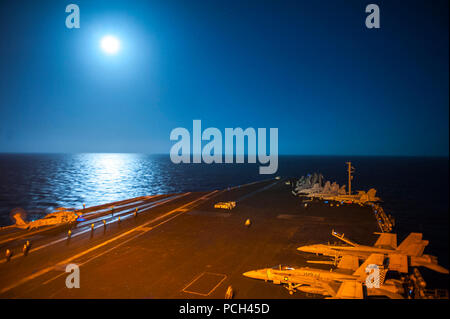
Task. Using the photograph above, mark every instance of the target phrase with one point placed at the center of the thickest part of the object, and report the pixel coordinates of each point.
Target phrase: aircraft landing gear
(292, 288)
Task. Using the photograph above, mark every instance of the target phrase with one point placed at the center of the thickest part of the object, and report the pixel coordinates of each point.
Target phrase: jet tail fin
(371, 194)
(18, 215)
(386, 240)
(373, 259)
(413, 245)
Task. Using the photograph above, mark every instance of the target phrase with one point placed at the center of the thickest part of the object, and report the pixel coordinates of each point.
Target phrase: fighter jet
(408, 253)
(333, 283)
(361, 198)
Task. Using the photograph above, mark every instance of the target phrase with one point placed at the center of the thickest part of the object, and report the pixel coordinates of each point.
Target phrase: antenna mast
(350, 170)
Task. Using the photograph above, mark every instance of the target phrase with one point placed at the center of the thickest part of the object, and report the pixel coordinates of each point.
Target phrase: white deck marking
(198, 277)
(149, 205)
(68, 260)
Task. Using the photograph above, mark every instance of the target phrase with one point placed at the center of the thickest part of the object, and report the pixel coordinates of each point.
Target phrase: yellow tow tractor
(225, 205)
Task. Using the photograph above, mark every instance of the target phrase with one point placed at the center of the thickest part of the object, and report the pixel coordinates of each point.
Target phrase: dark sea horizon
(414, 189)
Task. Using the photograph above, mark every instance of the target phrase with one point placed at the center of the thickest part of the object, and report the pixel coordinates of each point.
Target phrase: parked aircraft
(334, 283)
(411, 249)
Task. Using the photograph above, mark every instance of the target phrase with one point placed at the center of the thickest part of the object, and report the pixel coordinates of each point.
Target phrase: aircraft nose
(255, 274)
(250, 274)
(305, 249)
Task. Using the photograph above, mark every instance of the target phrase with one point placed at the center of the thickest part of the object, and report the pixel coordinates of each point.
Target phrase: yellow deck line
(68, 260)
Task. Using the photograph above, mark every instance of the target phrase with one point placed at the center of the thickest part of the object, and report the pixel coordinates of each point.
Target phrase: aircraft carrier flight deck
(178, 245)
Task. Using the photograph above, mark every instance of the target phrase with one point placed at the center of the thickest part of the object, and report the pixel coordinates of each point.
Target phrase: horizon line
(246, 154)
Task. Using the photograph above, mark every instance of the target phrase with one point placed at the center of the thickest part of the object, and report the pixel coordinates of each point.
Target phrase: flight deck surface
(179, 245)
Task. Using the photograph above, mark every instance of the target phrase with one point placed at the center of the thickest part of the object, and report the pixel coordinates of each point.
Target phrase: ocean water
(414, 190)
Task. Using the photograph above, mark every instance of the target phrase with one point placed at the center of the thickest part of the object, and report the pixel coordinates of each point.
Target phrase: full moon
(110, 44)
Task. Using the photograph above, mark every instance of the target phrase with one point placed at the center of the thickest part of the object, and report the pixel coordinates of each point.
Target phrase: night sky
(310, 68)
